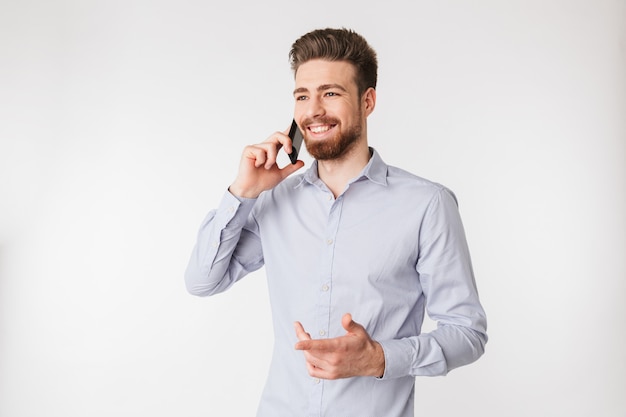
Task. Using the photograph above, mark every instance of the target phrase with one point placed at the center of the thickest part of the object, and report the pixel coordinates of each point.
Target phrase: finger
(284, 140)
(272, 154)
(311, 369)
(279, 139)
(318, 368)
(318, 345)
(289, 169)
(287, 144)
(314, 364)
(300, 332)
(350, 325)
(266, 153)
(273, 144)
(256, 154)
(347, 322)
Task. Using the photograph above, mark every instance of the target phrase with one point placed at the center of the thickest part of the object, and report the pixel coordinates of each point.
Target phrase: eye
(331, 94)
(301, 98)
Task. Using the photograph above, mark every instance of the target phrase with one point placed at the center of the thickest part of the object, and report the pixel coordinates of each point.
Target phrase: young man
(355, 251)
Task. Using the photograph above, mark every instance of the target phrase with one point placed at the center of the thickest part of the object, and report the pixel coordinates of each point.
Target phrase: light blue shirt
(389, 248)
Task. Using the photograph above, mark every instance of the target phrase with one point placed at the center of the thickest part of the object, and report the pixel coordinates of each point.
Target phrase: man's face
(328, 108)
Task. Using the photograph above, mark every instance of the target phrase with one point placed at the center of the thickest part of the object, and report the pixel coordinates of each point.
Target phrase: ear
(369, 101)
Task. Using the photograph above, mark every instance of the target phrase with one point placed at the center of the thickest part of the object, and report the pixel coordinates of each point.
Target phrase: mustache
(320, 120)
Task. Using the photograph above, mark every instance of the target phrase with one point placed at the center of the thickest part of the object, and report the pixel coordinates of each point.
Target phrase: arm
(448, 283)
(447, 280)
(228, 246)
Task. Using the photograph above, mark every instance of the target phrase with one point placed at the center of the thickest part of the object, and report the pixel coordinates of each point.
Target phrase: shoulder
(405, 181)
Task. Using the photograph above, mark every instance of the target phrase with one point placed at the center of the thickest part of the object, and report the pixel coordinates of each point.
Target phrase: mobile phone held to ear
(296, 141)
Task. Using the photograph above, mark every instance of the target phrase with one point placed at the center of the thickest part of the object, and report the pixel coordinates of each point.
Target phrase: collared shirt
(388, 249)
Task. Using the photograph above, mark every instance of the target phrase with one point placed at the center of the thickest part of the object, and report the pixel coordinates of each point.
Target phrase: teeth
(320, 129)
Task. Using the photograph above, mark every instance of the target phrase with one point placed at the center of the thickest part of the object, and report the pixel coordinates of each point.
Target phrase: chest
(367, 231)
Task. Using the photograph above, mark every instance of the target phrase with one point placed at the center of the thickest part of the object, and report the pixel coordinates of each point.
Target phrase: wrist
(241, 192)
(378, 368)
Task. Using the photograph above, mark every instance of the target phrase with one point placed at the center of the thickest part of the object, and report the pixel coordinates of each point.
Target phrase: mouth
(320, 130)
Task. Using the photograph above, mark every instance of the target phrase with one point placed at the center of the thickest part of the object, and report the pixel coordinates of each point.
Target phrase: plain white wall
(122, 122)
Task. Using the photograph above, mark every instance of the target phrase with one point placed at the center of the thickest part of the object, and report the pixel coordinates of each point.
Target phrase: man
(355, 251)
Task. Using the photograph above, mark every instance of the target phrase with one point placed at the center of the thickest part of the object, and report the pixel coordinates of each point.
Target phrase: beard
(335, 147)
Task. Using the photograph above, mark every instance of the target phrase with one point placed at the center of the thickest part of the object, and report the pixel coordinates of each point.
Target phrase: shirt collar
(375, 171)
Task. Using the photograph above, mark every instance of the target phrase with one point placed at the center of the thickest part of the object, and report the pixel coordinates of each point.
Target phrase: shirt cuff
(399, 356)
(413, 356)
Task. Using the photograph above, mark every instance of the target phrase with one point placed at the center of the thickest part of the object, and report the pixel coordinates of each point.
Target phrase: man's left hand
(354, 354)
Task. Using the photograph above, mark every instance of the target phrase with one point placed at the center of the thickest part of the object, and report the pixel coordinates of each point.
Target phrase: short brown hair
(338, 45)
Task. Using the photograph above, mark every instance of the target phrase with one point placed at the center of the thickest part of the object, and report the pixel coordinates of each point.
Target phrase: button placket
(324, 296)
(324, 293)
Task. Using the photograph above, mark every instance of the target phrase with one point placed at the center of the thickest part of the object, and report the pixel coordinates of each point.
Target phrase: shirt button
(330, 197)
(325, 288)
(329, 241)
(316, 380)
(322, 332)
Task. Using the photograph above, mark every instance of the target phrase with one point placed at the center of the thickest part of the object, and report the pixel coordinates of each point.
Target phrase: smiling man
(355, 251)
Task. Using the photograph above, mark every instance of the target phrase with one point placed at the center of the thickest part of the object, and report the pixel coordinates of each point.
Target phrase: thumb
(301, 334)
(290, 168)
(350, 325)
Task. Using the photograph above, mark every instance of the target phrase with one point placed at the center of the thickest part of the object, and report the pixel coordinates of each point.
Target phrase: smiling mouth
(320, 129)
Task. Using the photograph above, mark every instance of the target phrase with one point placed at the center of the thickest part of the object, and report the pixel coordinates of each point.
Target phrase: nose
(314, 108)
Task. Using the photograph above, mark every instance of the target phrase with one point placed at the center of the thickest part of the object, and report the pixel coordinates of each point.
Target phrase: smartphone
(296, 141)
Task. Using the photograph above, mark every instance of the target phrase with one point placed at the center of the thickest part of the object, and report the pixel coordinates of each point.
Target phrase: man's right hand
(258, 170)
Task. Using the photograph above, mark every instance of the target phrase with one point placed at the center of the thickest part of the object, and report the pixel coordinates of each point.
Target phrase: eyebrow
(322, 87)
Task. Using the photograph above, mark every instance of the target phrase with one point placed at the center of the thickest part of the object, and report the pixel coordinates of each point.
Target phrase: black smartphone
(296, 141)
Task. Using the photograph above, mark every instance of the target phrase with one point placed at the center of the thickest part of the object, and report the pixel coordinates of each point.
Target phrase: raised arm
(227, 246)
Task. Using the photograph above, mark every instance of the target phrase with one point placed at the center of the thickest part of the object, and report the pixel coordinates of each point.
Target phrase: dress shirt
(388, 249)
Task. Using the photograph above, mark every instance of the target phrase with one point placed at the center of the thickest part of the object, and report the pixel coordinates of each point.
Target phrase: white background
(122, 122)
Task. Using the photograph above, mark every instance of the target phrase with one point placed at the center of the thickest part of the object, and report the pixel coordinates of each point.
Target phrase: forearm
(433, 354)
(447, 280)
(224, 250)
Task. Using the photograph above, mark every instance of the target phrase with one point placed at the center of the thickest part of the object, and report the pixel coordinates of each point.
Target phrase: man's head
(338, 45)
(335, 73)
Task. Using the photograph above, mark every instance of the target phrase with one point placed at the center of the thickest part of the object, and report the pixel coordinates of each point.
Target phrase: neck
(337, 172)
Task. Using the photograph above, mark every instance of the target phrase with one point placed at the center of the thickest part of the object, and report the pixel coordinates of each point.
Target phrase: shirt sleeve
(227, 248)
(447, 280)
